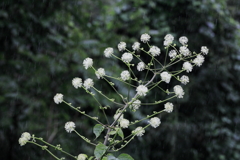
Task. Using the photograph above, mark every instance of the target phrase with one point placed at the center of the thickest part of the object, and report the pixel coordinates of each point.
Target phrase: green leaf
(97, 130)
(120, 133)
(100, 150)
(124, 156)
(111, 157)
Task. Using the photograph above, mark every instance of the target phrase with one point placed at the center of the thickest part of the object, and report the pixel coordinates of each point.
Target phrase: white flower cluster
(142, 90)
(116, 116)
(58, 98)
(168, 40)
(70, 126)
(108, 52)
(168, 107)
(87, 63)
(183, 40)
(166, 77)
(141, 66)
(178, 91)
(139, 131)
(77, 82)
(125, 75)
(122, 46)
(124, 123)
(88, 83)
(135, 105)
(172, 54)
(155, 51)
(184, 79)
(198, 60)
(155, 122)
(100, 73)
(25, 137)
(136, 46)
(184, 51)
(204, 50)
(127, 57)
(187, 66)
(145, 37)
(82, 157)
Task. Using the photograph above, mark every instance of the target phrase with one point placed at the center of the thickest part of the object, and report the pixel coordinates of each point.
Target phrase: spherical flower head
(155, 122)
(168, 40)
(183, 40)
(125, 75)
(172, 54)
(82, 157)
(184, 51)
(135, 105)
(142, 90)
(136, 46)
(77, 82)
(139, 131)
(122, 46)
(155, 51)
(124, 123)
(145, 37)
(108, 52)
(168, 107)
(178, 91)
(22, 141)
(69, 126)
(88, 83)
(166, 77)
(187, 66)
(204, 50)
(127, 57)
(26, 135)
(141, 66)
(58, 98)
(87, 63)
(100, 73)
(117, 115)
(198, 60)
(184, 79)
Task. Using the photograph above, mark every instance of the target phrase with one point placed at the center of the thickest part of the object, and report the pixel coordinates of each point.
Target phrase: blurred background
(42, 47)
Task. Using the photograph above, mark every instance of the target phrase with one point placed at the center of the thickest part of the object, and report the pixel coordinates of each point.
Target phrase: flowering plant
(159, 71)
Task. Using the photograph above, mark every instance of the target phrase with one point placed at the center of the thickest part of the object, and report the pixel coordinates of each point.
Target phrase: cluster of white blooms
(187, 66)
(115, 117)
(139, 131)
(183, 40)
(168, 107)
(168, 39)
(145, 38)
(135, 105)
(77, 82)
(136, 46)
(166, 77)
(124, 123)
(172, 54)
(184, 51)
(69, 126)
(141, 66)
(122, 46)
(142, 90)
(155, 51)
(204, 50)
(100, 73)
(178, 91)
(125, 75)
(198, 60)
(108, 52)
(25, 137)
(88, 83)
(87, 63)
(58, 98)
(127, 57)
(184, 79)
(155, 122)
(82, 157)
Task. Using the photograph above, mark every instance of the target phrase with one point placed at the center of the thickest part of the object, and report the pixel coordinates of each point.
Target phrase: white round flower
(184, 51)
(155, 122)
(198, 60)
(58, 98)
(178, 91)
(155, 51)
(122, 46)
(139, 131)
(100, 73)
(26, 135)
(168, 40)
(204, 50)
(22, 141)
(88, 83)
(183, 40)
(135, 105)
(136, 46)
(166, 77)
(108, 52)
(168, 107)
(142, 90)
(184, 79)
(172, 54)
(77, 82)
(187, 66)
(69, 126)
(141, 66)
(127, 57)
(117, 115)
(124, 123)
(82, 157)
(87, 63)
(125, 75)
(145, 37)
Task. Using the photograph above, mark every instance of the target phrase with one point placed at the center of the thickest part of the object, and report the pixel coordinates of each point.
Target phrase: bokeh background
(43, 44)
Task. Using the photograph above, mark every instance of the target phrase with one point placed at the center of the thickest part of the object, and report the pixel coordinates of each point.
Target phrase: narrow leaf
(100, 150)
(97, 130)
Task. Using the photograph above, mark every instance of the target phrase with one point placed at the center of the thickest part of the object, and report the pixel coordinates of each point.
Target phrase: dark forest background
(43, 44)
